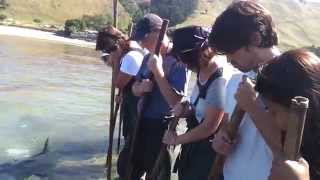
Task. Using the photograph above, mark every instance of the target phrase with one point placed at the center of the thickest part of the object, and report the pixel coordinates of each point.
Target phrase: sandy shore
(30, 33)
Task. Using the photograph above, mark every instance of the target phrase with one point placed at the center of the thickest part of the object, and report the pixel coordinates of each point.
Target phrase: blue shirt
(176, 74)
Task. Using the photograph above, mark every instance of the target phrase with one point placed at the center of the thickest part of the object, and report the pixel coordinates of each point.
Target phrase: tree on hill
(73, 25)
(135, 10)
(3, 4)
(176, 11)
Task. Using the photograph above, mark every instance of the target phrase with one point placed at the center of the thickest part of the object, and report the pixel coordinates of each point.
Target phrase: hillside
(298, 23)
(57, 11)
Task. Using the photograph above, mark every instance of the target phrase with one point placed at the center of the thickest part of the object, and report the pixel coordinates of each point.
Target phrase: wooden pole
(115, 13)
(111, 117)
(298, 112)
(145, 100)
(156, 168)
(232, 129)
(119, 130)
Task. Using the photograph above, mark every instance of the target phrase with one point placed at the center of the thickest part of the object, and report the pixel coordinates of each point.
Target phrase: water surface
(56, 91)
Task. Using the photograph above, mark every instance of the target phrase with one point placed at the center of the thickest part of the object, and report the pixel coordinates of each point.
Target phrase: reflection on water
(51, 90)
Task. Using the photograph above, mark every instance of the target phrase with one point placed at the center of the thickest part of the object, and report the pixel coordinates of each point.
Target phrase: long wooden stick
(298, 112)
(156, 168)
(109, 155)
(119, 130)
(232, 129)
(145, 100)
(115, 13)
(111, 135)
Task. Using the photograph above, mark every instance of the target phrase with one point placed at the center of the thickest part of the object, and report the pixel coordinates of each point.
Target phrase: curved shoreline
(43, 35)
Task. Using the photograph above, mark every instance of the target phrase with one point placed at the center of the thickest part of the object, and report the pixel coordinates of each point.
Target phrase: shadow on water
(83, 160)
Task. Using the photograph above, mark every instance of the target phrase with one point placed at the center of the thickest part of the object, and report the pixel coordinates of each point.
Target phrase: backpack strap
(204, 88)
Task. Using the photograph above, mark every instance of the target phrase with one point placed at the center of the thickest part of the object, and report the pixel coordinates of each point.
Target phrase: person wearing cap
(204, 110)
(165, 88)
(140, 45)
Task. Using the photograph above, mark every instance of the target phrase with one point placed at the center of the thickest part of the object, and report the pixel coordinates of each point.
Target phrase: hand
(170, 138)
(246, 96)
(283, 169)
(155, 65)
(222, 142)
(146, 85)
(178, 110)
(118, 98)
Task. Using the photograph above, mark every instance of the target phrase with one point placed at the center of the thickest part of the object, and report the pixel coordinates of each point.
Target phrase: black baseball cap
(149, 23)
(189, 38)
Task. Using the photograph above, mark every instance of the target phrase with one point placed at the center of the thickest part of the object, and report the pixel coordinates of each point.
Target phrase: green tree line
(176, 11)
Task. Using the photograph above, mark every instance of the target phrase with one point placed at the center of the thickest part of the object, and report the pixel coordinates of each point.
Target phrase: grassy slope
(57, 11)
(298, 24)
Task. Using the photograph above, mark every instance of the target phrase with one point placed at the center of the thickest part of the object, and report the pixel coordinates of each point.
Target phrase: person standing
(277, 85)
(205, 110)
(168, 88)
(245, 33)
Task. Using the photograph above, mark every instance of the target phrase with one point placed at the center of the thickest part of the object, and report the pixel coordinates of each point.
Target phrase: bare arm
(268, 129)
(283, 169)
(171, 96)
(115, 62)
(248, 101)
(122, 79)
(139, 88)
(168, 93)
(210, 124)
(136, 89)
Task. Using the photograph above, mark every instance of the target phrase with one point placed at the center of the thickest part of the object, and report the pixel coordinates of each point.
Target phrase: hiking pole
(119, 130)
(121, 115)
(109, 155)
(298, 111)
(144, 100)
(111, 134)
(232, 129)
(161, 156)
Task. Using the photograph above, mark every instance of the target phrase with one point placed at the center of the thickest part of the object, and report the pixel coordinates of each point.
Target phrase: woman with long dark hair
(294, 73)
(205, 109)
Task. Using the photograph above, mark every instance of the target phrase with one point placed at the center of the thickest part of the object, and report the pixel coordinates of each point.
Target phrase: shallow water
(56, 91)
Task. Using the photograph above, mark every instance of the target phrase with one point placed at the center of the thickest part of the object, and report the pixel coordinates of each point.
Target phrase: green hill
(57, 11)
(298, 23)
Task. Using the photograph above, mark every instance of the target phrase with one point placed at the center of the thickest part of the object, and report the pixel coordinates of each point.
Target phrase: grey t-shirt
(215, 97)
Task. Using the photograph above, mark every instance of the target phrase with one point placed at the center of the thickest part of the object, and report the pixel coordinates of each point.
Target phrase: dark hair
(110, 38)
(188, 42)
(296, 73)
(234, 28)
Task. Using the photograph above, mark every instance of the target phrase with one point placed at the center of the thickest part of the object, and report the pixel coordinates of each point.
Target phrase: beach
(43, 35)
